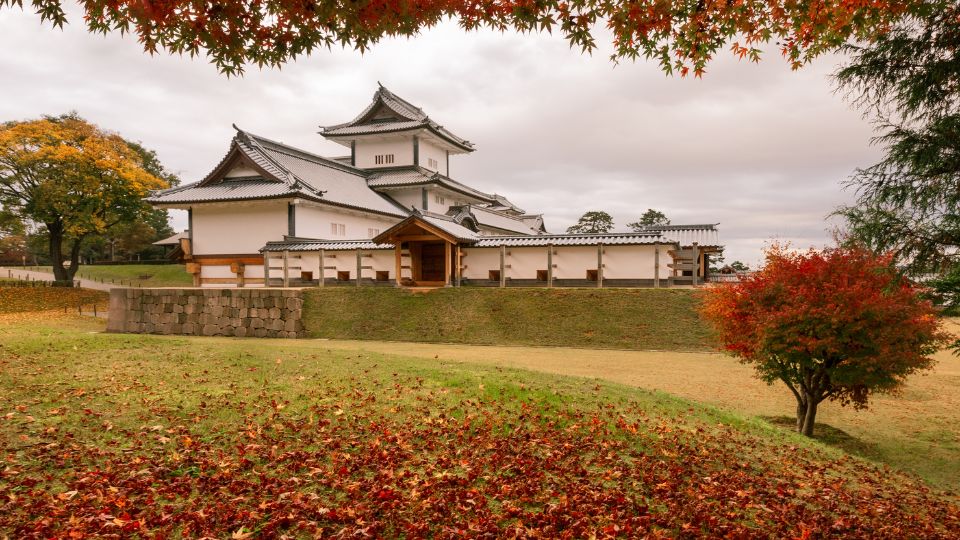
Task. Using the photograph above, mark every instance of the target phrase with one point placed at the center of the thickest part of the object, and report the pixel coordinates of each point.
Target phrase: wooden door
(432, 262)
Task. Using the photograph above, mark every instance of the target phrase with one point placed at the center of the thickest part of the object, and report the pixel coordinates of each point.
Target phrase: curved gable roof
(409, 117)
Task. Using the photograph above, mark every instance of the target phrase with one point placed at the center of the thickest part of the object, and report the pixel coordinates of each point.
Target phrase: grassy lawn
(663, 319)
(106, 434)
(144, 275)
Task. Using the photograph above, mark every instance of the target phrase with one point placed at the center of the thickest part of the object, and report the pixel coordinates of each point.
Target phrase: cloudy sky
(758, 148)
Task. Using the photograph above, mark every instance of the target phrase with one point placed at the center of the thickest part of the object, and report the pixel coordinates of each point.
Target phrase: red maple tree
(839, 324)
(680, 35)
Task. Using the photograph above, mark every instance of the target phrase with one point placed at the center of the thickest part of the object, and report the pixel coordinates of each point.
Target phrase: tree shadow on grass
(830, 436)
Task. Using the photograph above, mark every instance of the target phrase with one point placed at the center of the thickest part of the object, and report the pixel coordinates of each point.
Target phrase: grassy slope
(917, 430)
(605, 318)
(161, 275)
(200, 437)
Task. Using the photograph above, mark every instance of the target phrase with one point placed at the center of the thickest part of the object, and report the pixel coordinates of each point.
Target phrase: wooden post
(503, 266)
(286, 268)
(398, 252)
(359, 266)
(696, 262)
(447, 254)
(599, 265)
(549, 265)
(458, 271)
(656, 265)
(322, 263)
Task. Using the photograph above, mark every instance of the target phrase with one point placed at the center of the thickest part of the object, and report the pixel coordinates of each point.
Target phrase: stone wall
(207, 312)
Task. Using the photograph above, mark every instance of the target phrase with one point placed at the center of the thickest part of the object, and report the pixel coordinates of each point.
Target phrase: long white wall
(313, 221)
(237, 229)
(570, 262)
(333, 262)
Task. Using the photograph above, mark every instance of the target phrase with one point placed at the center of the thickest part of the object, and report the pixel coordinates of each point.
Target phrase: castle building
(391, 213)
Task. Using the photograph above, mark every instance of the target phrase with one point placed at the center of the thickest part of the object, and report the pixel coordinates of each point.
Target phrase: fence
(727, 278)
(11, 281)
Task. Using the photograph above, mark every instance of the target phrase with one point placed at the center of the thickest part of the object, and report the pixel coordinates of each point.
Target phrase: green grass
(592, 318)
(214, 437)
(144, 275)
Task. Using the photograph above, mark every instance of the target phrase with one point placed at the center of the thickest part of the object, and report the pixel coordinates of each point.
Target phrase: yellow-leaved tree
(74, 178)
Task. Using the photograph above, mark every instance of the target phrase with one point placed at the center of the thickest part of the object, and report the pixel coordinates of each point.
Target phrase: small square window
(343, 275)
(389, 159)
(383, 275)
(591, 275)
(306, 276)
(541, 275)
(494, 275)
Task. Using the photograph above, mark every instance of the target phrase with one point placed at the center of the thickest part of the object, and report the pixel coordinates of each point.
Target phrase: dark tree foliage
(909, 203)
(592, 222)
(649, 218)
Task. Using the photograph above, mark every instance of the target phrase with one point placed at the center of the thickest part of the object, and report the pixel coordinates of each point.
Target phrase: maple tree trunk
(74, 258)
(56, 251)
(806, 414)
(61, 273)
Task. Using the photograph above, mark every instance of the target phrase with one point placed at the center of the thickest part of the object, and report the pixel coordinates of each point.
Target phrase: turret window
(432, 163)
(439, 199)
(383, 159)
(338, 229)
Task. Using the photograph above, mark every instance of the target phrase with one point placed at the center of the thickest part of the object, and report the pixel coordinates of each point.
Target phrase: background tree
(649, 218)
(836, 325)
(130, 240)
(738, 266)
(591, 223)
(679, 35)
(74, 178)
(13, 238)
(908, 81)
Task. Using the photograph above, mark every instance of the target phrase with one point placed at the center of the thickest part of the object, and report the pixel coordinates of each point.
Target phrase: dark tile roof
(411, 117)
(418, 176)
(304, 244)
(473, 240)
(292, 173)
(228, 190)
(704, 235)
(496, 219)
(607, 239)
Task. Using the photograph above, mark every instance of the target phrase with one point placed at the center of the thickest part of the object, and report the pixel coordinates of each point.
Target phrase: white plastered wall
(429, 150)
(367, 150)
(479, 261)
(239, 229)
(570, 262)
(313, 221)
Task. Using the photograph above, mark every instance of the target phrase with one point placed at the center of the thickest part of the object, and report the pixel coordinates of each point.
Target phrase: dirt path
(13, 273)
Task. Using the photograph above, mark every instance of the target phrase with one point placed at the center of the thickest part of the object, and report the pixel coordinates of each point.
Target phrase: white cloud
(759, 148)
